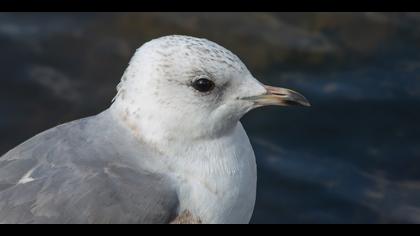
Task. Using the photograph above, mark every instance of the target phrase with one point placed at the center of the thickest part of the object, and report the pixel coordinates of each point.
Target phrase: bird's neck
(163, 132)
(220, 172)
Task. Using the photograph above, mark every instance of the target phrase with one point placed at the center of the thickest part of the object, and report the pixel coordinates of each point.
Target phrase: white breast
(217, 179)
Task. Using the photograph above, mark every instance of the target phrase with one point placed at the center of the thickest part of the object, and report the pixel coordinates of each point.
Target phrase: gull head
(181, 87)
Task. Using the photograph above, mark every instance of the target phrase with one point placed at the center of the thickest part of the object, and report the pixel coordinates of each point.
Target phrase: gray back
(83, 172)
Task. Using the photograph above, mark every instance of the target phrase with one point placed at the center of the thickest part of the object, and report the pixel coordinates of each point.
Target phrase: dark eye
(203, 85)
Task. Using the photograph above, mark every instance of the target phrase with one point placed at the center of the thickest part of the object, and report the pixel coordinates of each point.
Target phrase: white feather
(203, 146)
(27, 177)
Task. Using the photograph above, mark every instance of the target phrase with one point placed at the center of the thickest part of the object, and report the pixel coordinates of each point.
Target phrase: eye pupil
(203, 85)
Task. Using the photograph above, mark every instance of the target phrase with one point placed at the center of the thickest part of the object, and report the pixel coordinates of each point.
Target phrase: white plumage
(206, 150)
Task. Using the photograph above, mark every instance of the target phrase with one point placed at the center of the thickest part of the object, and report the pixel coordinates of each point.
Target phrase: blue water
(352, 157)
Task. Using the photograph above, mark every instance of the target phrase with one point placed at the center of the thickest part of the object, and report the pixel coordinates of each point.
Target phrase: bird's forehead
(196, 51)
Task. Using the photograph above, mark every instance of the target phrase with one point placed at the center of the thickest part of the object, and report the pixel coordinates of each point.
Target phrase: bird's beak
(280, 97)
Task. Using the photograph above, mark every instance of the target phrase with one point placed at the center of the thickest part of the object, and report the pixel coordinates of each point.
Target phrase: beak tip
(306, 104)
(298, 99)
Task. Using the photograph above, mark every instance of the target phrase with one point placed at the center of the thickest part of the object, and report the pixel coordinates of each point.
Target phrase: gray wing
(78, 173)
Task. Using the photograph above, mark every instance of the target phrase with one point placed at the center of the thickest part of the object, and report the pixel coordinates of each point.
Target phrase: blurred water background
(353, 157)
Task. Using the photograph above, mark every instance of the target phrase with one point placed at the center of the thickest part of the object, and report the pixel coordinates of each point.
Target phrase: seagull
(169, 149)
